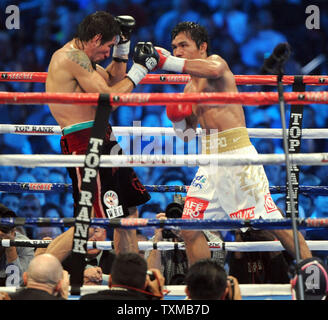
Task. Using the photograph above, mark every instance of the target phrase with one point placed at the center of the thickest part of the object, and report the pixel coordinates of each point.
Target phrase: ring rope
(179, 290)
(14, 76)
(172, 224)
(137, 131)
(18, 187)
(145, 99)
(169, 245)
(190, 160)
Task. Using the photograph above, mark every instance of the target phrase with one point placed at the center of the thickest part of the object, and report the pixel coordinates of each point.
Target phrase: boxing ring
(153, 99)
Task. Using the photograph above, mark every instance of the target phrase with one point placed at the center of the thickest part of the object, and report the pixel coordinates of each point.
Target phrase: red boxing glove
(177, 112)
(168, 62)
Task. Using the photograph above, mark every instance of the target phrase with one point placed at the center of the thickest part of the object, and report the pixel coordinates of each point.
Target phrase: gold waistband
(224, 141)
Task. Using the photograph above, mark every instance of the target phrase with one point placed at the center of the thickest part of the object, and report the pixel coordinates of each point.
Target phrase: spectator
(11, 200)
(51, 210)
(207, 280)
(68, 205)
(8, 174)
(258, 267)
(46, 233)
(98, 262)
(29, 207)
(55, 176)
(315, 280)
(44, 279)
(180, 11)
(173, 263)
(129, 280)
(13, 260)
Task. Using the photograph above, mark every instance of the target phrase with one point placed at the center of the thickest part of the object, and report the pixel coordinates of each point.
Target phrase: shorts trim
(224, 141)
(77, 127)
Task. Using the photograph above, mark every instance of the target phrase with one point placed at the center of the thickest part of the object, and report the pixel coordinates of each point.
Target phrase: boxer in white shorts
(218, 192)
(237, 192)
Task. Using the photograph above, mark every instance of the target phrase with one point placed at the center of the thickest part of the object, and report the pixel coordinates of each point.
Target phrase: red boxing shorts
(236, 192)
(117, 188)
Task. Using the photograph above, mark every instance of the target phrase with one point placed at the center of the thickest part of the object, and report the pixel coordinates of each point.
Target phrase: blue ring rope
(18, 187)
(172, 224)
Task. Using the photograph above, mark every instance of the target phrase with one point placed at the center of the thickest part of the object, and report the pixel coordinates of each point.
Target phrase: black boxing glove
(145, 59)
(122, 48)
(127, 25)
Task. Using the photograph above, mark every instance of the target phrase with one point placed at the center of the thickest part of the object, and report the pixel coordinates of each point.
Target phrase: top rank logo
(35, 129)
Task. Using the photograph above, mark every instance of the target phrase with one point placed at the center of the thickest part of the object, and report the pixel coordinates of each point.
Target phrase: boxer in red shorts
(75, 68)
(117, 188)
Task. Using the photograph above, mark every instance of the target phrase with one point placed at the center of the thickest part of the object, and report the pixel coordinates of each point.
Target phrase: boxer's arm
(210, 68)
(114, 73)
(80, 67)
(213, 67)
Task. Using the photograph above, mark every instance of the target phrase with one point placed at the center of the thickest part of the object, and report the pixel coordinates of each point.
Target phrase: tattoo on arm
(81, 59)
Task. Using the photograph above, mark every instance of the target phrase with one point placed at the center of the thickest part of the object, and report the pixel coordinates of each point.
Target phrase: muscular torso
(216, 116)
(60, 79)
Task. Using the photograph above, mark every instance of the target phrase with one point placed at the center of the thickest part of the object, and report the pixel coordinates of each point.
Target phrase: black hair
(206, 280)
(100, 22)
(196, 32)
(129, 269)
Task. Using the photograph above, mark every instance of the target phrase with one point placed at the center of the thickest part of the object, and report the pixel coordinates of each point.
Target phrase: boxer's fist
(168, 62)
(145, 59)
(177, 112)
(127, 25)
(146, 55)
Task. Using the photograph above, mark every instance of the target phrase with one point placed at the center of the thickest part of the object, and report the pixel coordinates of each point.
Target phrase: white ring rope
(254, 246)
(191, 160)
(156, 131)
(245, 289)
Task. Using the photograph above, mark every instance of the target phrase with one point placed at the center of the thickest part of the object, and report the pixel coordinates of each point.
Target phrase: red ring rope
(137, 99)
(175, 78)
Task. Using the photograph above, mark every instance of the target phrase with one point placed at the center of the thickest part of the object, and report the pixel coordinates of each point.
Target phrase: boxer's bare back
(74, 70)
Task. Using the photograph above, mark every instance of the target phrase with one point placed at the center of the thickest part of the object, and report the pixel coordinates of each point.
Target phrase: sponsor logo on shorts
(269, 204)
(111, 201)
(247, 213)
(194, 208)
(199, 181)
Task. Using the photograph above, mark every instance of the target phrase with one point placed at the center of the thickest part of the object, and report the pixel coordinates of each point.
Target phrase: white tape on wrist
(121, 50)
(174, 64)
(137, 73)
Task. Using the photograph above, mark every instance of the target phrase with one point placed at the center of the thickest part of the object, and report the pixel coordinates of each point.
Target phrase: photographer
(173, 263)
(130, 280)
(207, 280)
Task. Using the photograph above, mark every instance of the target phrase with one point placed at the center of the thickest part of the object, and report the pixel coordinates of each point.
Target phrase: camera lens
(174, 210)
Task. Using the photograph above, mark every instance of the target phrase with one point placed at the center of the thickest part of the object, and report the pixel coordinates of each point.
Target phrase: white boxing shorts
(236, 192)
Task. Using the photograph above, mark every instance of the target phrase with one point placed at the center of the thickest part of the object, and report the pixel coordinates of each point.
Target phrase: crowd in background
(244, 32)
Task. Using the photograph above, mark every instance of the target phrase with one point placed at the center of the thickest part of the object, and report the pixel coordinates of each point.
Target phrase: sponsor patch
(198, 182)
(111, 201)
(194, 208)
(269, 204)
(248, 213)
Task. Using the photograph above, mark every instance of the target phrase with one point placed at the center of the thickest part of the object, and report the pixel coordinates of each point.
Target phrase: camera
(173, 211)
(151, 275)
